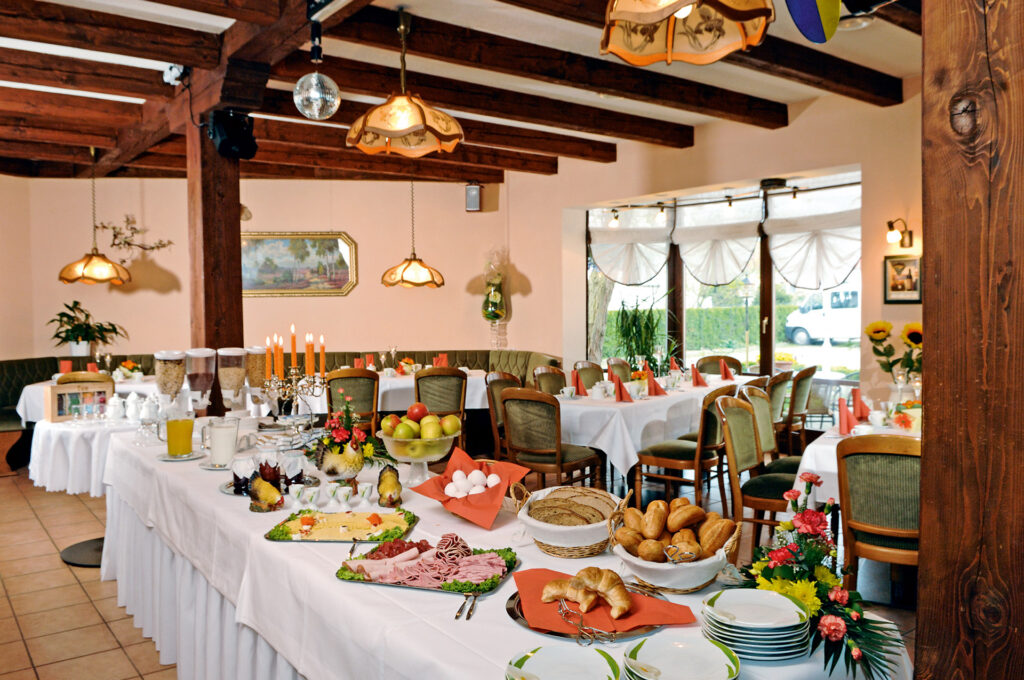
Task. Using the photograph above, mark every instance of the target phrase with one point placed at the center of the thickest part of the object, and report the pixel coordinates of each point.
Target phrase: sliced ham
(372, 569)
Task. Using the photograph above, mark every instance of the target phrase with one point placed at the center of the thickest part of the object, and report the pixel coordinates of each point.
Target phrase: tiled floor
(59, 622)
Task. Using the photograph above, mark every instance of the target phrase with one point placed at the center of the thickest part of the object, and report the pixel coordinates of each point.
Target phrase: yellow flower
(807, 592)
(913, 334)
(367, 450)
(787, 526)
(825, 575)
(756, 567)
(878, 330)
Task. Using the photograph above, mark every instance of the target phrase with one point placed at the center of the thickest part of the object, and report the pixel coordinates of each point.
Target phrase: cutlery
(472, 606)
(465, 601)
(352, 551)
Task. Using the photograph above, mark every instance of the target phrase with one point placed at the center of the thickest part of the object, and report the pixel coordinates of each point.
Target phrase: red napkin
(698, 379)
(646, 610)
(400, 369)
(844, 417)
(860, 409)
(621, 393)
(481, 508)
(357, 363)
(653, 388)
(581, 390)
(444, 358)
(369, 361)
(646, 366)
(672, 365)
(723, 369)
(65, 365)
(92, 368)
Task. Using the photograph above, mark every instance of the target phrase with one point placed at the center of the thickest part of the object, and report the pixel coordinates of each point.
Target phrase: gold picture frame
(298, 263)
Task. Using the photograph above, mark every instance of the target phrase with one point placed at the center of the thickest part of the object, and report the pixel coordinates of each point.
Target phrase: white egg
(458, 475)
(450, 489)
(477, 477)
(493, 480)
(459, 494)
(463, 484)
(477, 489)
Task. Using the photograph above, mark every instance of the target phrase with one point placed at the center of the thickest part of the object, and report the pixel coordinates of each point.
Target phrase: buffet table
(222, 602)
(32, 401)
(71, 457)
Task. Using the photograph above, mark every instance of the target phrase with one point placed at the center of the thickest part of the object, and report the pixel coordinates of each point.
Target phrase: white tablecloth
(193, 566)
(820, 458)
(71, 458)
(397, 394)
(32, 401)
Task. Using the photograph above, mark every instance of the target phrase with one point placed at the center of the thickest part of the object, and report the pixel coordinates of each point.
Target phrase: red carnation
(810, 478)
(840, 595)
(810, 522)
(340, 435)
(856, 653)
(832, 628)
(792, 495)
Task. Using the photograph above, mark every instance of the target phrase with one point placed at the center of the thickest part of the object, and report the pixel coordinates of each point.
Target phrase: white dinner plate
(769, 656)
(562, 663)
(750, 608)
(757, 645)
(195, 455)
(746, 634)
(211, 466)
(681, 655)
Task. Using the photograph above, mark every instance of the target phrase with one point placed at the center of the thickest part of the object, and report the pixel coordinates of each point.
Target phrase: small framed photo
(901, 280)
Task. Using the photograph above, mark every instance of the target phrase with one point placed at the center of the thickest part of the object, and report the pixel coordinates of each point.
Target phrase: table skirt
(70, 458)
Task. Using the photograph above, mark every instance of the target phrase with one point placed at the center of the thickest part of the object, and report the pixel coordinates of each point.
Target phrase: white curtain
(716, 240)
(632, 249)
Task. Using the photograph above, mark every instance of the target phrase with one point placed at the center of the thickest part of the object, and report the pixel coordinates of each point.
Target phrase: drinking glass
(177, 432)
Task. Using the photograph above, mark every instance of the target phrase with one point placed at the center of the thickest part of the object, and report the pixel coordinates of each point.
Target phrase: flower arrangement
(879, 332)
(638, 375)
(127, 369)
(802, 564)
(908, 415)
(344, 447)
(405, 366)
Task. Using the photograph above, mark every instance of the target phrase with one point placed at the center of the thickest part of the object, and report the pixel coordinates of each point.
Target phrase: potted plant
(75, 327)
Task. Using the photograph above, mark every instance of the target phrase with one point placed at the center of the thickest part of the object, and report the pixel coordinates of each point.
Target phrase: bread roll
(705, 526)
(562, 589)
(716, 536)
(665, 539)
(654, 519)
(633, 518)
(676, 502)
(684, 516)
(684, 535)
(651, 550)
(628, 539)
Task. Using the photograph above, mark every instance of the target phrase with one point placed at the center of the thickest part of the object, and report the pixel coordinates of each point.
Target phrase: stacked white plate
(759, 625)
(562, 662)
(679, 655)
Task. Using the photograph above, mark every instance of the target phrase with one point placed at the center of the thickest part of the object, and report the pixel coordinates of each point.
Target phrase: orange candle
(270, 362)
(279, 359)
(294, 358)
(309, 354)
(322, 362)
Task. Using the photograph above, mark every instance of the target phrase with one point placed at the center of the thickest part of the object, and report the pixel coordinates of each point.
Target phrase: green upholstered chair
(360, 384)
(778, 390)
(710, 365)
(497, 381)
(443, 390)
(819, 403)
(762, 404)
(794, 423)
(760, 383)
(589, 373)
(533, 439)
(880, 497)
(761, 492)
(619, 367)
(700, 454)
(549, 379)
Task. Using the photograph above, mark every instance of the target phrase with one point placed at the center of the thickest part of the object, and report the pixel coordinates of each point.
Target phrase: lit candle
(270, 361)
(322, 362)
(294, 358)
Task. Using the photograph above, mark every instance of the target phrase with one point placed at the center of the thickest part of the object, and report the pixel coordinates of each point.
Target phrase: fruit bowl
(418, 452)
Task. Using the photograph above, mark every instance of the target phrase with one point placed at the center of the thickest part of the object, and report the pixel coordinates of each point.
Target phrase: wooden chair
(762, 404)
(619, 367)
(84, 377)
(760, 383)
(549, 379)
(698, 451)
(533, 439)
(710, 365)
(794, 423)
(880, 497)
(778, 390)
(762, 492)
(589, 372)
(364, 388)
(443, 390)
(496, 381)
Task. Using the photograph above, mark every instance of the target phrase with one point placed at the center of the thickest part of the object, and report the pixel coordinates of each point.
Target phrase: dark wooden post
(215, 247)
(676, 312)
(766, 321)
(971, 592)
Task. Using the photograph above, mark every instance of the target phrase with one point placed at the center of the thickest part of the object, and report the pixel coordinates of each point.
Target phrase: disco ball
(316, 96)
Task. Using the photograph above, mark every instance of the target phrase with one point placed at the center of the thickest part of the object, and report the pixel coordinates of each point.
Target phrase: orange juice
(179, 437)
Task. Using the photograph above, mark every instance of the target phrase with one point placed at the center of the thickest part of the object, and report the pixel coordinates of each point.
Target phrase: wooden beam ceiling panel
(774, 56)
(44, 152)
(260, 12)
(452, 44)
(21, 129)
(148, 173)
(19, 167)
(906, 14)
(86, 110)
(79, 74)
(91, 30)
(133, 140)
(371, 79)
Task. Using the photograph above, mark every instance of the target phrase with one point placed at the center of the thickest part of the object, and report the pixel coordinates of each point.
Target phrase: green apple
(431, 430)
(415, 427)
(403, 431)
(451, 424)
(389, 423)
(430, 419)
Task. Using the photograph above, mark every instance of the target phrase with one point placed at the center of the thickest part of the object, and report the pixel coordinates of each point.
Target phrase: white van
(832, 314)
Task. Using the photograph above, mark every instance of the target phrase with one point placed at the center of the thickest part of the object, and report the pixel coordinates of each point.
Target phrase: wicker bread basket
(570, 542)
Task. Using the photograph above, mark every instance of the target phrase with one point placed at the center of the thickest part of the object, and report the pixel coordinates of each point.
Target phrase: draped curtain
(634, 249)
(716, 240)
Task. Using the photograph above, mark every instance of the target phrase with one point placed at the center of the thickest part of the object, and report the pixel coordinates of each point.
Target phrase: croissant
(608, 585)
(561, 589)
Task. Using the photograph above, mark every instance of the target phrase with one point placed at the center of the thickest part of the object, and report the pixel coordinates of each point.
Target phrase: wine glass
(107, 359)
(383, 360)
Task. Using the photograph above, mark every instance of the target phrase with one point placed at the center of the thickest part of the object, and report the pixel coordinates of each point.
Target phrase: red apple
(417, 411)
(388, 424)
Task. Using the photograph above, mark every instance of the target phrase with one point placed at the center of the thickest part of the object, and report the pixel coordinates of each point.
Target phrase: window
(723, 319)
(607, 300)
(809, 333)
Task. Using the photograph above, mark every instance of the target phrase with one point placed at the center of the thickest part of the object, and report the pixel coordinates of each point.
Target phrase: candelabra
(295, 386)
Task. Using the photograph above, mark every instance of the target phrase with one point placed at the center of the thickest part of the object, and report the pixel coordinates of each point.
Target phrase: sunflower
(878, 331)
(807, 592)
(913, 334)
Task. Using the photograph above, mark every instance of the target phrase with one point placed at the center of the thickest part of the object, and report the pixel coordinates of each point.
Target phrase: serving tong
(472, 606)
(588, 635)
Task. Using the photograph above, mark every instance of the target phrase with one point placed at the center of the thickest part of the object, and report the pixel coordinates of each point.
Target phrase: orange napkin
(578, 383)
(481, 508)
(369, 361)
(860, 409)
(653, 388)
(357, 363)
(698, 379)
(672, 365)
(844, 418)
(723, 369)
(92, 368)
(621, 393)
(65, 365)
(646, 366)
(444, 358)
(646, 611)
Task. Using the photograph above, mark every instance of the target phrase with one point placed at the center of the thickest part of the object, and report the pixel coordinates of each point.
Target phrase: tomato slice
(374, 519)
(307, 520)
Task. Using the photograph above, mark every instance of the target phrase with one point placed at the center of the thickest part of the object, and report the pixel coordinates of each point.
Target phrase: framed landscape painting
(901, 282)
(298, 263)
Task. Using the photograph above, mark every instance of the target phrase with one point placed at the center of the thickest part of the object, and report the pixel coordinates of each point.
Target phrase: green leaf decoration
(611, 664)
(633, 652)
(520, 662)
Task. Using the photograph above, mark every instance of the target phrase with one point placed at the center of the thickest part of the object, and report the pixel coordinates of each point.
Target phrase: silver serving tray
(438, 590)
(361, 540)
(514, 609)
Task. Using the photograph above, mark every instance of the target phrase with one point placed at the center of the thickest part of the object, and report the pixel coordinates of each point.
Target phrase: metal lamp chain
(92, 183)
(412, 212)
(403, 31)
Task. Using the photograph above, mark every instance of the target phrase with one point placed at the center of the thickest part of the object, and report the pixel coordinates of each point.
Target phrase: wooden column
(971, 593)
(215, 246)
(766, 321)
(676, 312)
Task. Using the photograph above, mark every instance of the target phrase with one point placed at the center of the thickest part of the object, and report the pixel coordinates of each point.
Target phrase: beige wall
(16, 336)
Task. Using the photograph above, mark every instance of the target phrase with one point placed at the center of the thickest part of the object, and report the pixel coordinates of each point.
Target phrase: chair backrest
(442, 389)
(549, 379)
(761, 382)
(821, 398)
(710, 429)
(762, 404)
(879, 490)
(710, 365)
(619, 367)
(740, 429)
(496, 381)
(589, 372)
(84, 376)
(801, 393)
(778, 390)
(532, 423)
(362, 385)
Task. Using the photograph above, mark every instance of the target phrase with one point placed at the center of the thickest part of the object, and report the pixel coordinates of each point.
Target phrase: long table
(32, 400)
(71, 457)
(222, 602)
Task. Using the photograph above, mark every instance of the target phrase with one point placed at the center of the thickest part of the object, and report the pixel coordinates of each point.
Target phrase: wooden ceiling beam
(22, 129)
(906, 14)
(260, 12)
(371, 79)
(79, 74)
(85, 110)
(91, 30)
(19, 167)
(33, 151)
(452, 44)
(774, 56)
(478, 133)
(148, 173)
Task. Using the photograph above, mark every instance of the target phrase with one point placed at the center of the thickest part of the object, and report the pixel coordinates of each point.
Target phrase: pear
(389, 488)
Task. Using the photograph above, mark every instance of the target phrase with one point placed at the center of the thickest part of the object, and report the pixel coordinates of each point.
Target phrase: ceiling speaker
(231, 134)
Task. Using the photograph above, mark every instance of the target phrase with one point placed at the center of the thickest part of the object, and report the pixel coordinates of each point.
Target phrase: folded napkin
(369, 361)
(672, 365)
(481, 508)
(646, 367)
(653, 388)
(444, 358)
(860, 409)
(357, 363)
(621, 393)
(723, 369)
(844, 418)
(92, 367)
(698, 379)
(577, 382)
(646, 610)
(65, 365)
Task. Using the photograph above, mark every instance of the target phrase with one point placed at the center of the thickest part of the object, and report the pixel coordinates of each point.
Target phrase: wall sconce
(901, 235)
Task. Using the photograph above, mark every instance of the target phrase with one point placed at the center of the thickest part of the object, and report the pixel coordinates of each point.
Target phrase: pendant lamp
(94, 266)
(404, 124)
(642, 32)
(412, 272)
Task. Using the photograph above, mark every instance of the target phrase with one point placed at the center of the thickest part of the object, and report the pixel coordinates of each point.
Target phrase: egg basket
(680, 578)
(569, 542)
